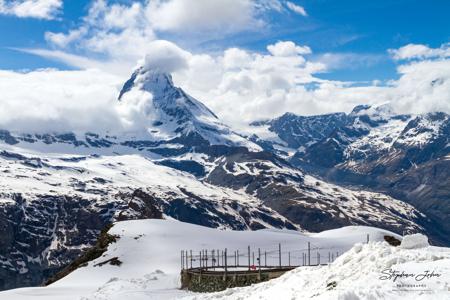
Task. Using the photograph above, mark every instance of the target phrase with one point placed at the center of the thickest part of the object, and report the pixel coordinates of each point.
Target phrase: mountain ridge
(194, 168)
(405, 156)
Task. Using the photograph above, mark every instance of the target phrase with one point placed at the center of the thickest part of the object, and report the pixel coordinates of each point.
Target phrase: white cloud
(112, 66)
(238, 85)
(39, 9)
(242, 86)
(166, 57)
(419, 51)
(62, 40)
(236, 58)
(204, 15)
(118, 33)
(424, 86)
(296, 8)
(124, 32)
(287, 48)
(51, 100)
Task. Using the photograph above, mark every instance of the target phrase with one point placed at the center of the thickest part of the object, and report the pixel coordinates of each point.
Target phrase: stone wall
(197, 280)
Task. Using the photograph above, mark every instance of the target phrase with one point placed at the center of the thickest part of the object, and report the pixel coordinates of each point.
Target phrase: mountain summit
(173, 116)
(166, 96)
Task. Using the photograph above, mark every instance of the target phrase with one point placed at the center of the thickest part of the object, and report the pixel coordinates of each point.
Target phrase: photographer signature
(390, 274)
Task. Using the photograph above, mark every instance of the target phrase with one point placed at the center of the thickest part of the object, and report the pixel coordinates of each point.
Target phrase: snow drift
(149, 252)
(370, 271)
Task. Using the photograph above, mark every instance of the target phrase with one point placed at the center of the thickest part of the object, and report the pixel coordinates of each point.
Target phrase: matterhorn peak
(173, 114)
(154, 81)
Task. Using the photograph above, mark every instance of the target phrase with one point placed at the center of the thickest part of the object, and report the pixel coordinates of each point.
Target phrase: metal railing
(253, 259)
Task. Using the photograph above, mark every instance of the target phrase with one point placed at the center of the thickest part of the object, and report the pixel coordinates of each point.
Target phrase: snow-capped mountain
(175, 119)
(59, 189)
(405, 156)
(170, 123)
(296, 132)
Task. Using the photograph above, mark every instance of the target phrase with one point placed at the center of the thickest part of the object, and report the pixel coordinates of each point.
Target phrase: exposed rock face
(58, 190)
(100, 247)
(52, 208)
(42, 234)
(302, 131)
(404, 156)
(175, 118)
(313, 204)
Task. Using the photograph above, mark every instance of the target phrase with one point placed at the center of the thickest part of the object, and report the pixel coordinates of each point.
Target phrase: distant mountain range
(59, 189)
(373, 148)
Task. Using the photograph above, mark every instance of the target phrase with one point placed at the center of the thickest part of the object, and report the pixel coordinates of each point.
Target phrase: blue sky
(364, 29)
(64, 61)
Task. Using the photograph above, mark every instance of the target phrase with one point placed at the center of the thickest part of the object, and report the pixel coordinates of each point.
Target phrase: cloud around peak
(166, 57)
(238, 85)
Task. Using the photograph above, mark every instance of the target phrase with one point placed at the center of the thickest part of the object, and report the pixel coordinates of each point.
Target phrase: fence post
(265, 258)
(237, 254)
(279, 255)
(367, 238)
(253, 258)
(187, 259)
(289, 258)
(309, 253)
(259, 263)
(259, 259)
(225, 263)
(181, 260)
(318, 258)
(206, 251)
(249, 258)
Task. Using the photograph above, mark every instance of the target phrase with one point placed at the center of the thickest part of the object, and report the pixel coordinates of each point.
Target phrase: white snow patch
(414, 241)
(370, 271)
(150, 254)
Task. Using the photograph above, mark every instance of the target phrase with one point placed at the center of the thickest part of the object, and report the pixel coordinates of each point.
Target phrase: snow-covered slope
(160, 119)
(150, 254)
(311, 202)
(174, 117)
(58, 190)
(400, 155)
(369, 271)
(290, 132)
(52, 206)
